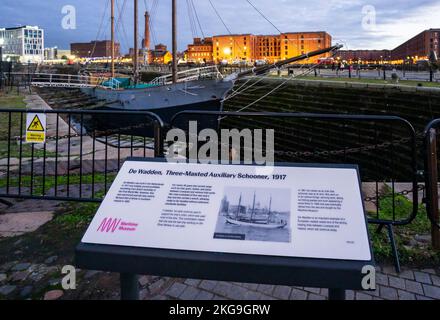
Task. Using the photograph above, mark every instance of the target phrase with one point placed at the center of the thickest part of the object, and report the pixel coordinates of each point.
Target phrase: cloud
(396, 29)
(396, 20)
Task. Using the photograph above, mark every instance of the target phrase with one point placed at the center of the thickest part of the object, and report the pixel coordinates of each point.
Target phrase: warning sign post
(36, 128)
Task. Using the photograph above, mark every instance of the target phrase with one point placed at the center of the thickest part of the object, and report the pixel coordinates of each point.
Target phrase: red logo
(109, 225)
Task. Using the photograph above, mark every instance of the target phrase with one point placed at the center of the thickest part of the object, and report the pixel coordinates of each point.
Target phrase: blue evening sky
(396, 21)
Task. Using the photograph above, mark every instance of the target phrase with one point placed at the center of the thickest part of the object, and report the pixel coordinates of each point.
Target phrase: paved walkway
(408, 285)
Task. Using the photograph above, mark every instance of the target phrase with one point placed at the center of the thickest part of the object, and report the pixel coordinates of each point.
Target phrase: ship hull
(256, 225)
(165, 101)
(143, 125)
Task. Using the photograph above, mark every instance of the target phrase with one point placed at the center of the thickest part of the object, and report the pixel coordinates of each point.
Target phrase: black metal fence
(85, 149)
(82, 154)
(384, 147)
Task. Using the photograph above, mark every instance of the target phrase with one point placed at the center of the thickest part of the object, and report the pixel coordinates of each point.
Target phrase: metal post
(432, 187)
(336, 294)
(9, 73)
(174, 28)
(384, 73)
(129, 286)
(29, 75)
(158, 140)
(394, 247)
(431, 74)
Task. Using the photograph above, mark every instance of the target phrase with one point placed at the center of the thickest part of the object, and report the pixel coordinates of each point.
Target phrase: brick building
(296, 43)
(160, 55)
(416, 48)
(271, 48)
(234, 48)
(95, 49)
(200, 51)
(373, 56)
(419, 47)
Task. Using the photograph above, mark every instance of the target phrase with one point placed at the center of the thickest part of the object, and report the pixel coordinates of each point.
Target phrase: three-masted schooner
(198, 89)
(250, 219)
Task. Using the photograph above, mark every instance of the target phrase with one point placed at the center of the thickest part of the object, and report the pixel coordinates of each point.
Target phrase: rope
(224, 24)
(197, 18)
(120, 23)
(153, 11)
(256, 9)
(273, 90)
(273, 25)
(100, 28)
(191, 20)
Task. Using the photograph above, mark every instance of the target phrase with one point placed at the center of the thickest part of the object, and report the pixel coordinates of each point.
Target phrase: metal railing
(342, 153)
(387, 136)
(210, 72)
(64, 80)
(82, 153)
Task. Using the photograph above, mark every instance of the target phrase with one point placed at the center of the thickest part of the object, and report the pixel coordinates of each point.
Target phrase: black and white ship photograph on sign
(255, 214)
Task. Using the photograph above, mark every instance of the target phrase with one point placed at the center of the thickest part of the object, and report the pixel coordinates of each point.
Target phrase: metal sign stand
(336, 275)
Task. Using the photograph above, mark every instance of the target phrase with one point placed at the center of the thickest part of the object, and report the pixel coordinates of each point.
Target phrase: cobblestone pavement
(410, 284)
(23, 280)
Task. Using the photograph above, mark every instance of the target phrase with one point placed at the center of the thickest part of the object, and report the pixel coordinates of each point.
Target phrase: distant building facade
(234, 48)
(416, 48)
(270, 48)
(160, 55)
(95, 49)
(371, 56)
(54, 53)
(200, 51)
(24, 44)
(63, 54)
(280, 47)
(51, 53)
(419, 47)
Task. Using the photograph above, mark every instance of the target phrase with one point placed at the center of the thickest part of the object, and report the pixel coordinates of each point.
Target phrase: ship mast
(136, 50)
(270, 207)
(253, 208)
(238, 209)
(113, 36)
(174, 31)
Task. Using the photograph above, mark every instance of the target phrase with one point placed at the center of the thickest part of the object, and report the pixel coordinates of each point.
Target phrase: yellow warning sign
(36, 125)
(36, 128)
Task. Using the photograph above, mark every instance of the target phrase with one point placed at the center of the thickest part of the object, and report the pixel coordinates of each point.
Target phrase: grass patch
(26, 150)
(11, 101)
(410, 251)
(78, 215)
(50, 181)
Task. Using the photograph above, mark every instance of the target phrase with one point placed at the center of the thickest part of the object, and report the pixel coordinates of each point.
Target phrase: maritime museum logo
(111, 225)
(232, 147)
